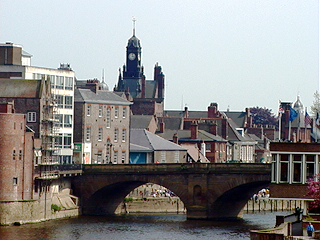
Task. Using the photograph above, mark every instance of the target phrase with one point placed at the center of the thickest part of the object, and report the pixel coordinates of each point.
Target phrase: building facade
(15, 63)
(101, 125)
(16, 151)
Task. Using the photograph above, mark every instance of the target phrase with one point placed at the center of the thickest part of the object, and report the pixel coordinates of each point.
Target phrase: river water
(144, 226)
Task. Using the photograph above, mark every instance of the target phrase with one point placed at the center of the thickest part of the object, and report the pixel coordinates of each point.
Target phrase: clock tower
(147, 95)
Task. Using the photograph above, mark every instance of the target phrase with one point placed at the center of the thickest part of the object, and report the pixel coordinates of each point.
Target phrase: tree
(263, 116)
(315, 108)
(314, 192)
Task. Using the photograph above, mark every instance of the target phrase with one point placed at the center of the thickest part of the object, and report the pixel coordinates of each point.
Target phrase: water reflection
(139, 227)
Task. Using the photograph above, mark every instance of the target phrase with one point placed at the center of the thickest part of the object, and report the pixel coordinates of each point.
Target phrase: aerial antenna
(134, 25)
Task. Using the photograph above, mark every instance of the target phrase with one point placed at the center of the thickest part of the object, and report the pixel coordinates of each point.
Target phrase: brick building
(16, 151)
(101, 125)
(292, 165)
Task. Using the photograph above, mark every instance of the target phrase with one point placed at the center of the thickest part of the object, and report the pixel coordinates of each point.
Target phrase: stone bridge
(208, 191)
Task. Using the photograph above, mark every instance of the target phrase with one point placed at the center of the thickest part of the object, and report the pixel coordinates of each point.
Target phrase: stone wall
(13, 212)
(152, 205)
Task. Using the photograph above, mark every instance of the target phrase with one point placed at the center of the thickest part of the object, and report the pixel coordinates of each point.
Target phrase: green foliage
(263, 116)
(55, 207)
(127, 199)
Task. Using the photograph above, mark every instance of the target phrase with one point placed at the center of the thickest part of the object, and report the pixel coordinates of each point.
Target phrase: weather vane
(134, 25)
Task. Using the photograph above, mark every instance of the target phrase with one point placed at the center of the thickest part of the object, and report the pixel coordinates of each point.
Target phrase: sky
(239, 54)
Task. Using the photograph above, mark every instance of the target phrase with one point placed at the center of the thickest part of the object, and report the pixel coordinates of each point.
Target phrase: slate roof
(185, 135)
(140, 121)
(234, 135)
(142, 140)
(237, 117)
(101, 97)
(20, 88)
(191, 114)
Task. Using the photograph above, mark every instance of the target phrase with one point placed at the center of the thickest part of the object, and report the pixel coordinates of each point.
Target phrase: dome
(134, 42)
(298, 104)
(104, 86)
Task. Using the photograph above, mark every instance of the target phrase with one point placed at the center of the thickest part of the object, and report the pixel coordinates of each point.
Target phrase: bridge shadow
(106, 200)
(230, 204)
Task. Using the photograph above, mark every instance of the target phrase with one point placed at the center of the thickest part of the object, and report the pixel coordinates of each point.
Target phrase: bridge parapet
(179, 168)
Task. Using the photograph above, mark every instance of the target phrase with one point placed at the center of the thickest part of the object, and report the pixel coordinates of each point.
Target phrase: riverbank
(35, 211)
(151, 205)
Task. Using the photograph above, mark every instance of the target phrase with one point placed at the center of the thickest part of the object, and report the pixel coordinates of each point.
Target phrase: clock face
(132, 56)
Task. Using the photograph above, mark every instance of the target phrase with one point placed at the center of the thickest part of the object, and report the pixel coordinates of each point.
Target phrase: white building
(15, 63)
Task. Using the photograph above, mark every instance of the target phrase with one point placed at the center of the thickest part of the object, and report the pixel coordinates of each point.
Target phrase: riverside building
(15, 63)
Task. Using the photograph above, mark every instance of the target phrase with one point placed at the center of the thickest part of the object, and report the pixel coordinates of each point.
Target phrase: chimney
(93, 85)
(213, 110)
(162, 126)
(203, 148)
(175, 138)
(143, 87)
(248, 118)
(194, 130)
(213, 128)
(186, 113)
(10, 54)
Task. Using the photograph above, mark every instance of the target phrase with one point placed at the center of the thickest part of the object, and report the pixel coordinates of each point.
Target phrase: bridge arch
(207, 191)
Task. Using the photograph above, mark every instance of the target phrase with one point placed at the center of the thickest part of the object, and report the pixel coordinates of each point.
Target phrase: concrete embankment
(33, 211)
(275, 204)
(151, 205)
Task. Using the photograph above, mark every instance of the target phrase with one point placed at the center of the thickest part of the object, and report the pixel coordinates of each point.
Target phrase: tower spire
(134, 25)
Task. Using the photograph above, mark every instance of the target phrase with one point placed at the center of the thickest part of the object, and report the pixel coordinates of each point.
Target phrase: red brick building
(16, 155)
(292, 165)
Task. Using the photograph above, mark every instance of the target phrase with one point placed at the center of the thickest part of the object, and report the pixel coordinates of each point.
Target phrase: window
(100, 110)
(60, 82)
(67, 120)
(14, 155)
(116, 132)
(116, 112)
(297, 160)
(124, 112)
(123, 157)
(52, 79)
(59, 100)
(310, 166)
(88, 110)
(163, 156)
(284, 167)
(99, 157)
(31, 117)
(69, 83)
(108, 118)
(176, 156)
(15, 181)
(58, 142)
(88, 133)
(108, 151)
(115, 157)
(68, 102)
(67, 140)
(59, 117)
(100, 134)
(20, 155)
(123, 135)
